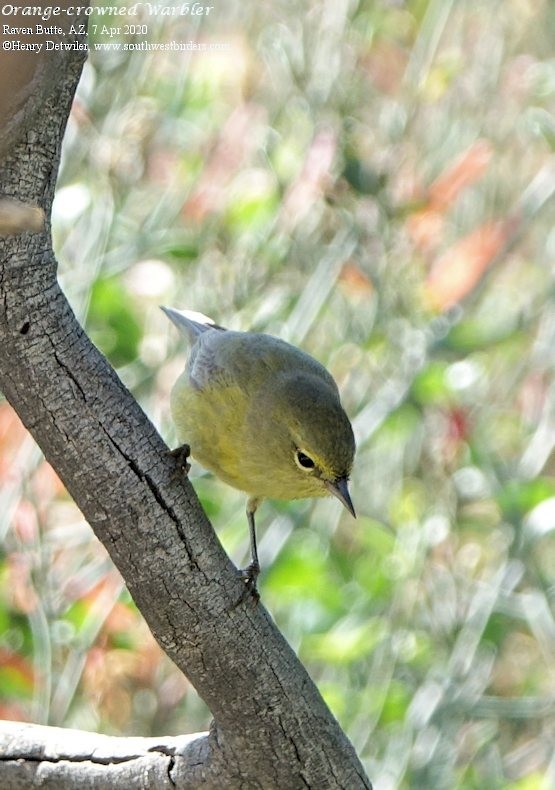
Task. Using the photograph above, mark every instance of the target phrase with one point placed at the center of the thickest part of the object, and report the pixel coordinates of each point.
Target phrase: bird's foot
(181, 454)
(249, 576)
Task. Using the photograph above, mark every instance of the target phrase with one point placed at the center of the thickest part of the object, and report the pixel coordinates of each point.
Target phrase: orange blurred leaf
(12, 430)
(12, 711)
(80, 113)
(425, 225)
(22, 594)
(121, 618)
(464, 171)
(17, 663)
(92, 599)
(461, 267)
(385, 66)
(25, 522)
(425, 228)
(354, 281)
(46, 485)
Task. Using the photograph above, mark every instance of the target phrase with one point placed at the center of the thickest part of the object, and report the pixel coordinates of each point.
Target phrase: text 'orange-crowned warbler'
(263, 416)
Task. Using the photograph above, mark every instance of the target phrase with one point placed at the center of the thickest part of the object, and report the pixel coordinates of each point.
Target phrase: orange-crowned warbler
(263, 416)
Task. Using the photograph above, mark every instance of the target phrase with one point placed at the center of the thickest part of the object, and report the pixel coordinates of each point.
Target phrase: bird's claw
(181, 454)
(249, 576)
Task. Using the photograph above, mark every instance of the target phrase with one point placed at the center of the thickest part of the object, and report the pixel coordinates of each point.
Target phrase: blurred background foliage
(372, 181)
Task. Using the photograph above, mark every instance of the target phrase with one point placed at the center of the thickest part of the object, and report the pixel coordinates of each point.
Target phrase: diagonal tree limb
(272, 728)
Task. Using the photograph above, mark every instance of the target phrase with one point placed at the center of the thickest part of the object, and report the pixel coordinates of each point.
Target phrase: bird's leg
(250, 573)
(181, 454)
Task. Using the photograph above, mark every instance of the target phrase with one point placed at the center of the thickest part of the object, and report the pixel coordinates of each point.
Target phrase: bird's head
(306, 437)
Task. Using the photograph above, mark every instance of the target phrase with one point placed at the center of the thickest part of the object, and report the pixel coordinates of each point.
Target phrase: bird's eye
(303, 460)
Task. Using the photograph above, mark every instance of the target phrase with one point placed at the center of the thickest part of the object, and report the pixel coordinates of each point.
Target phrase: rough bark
(272, 728)
(51, 757)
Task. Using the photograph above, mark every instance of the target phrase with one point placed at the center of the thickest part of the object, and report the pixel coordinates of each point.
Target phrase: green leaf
(430, 386)
(303, 571)
(251, 211)
(395, 703)
(15, 681)
(519, 497)
(112, 322)
(348, 642)
(474, 334)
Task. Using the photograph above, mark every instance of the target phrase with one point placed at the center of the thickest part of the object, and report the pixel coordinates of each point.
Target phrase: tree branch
(33, 755)
(272, 728)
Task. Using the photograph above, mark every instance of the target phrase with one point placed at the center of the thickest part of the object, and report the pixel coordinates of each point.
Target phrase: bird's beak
(339, 489)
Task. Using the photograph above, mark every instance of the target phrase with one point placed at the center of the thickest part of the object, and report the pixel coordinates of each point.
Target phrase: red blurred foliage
(12, 434)
(25, 522)
(532, 397)
(425, 226)
(46, 483)
(456, 273)
(458, 429)
(454, 428)
(46, 486)
(386, 65)
(79, 113)
(12, 711)
(19, 587)
(162, 165)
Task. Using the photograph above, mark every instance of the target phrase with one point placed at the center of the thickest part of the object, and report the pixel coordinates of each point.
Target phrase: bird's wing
(246, 360)
(205, 366)
(224, 358)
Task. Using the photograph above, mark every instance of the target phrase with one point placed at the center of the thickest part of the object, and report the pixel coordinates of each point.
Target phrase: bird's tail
(190, 323)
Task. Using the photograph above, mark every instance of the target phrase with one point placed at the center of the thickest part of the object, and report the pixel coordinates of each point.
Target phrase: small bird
(263, 416)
